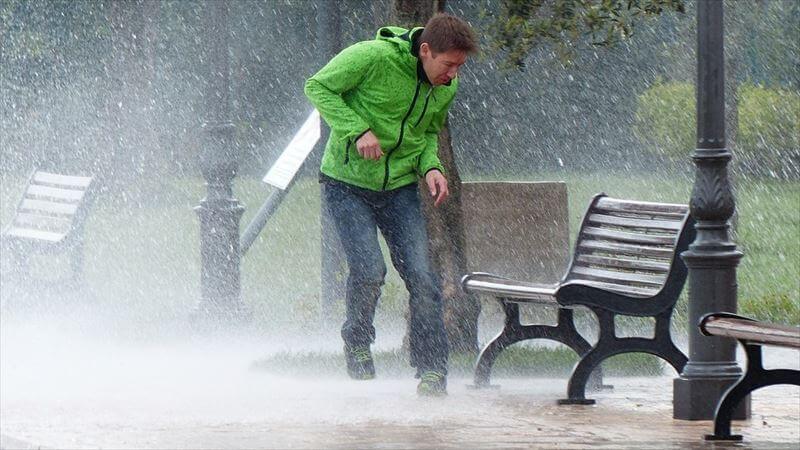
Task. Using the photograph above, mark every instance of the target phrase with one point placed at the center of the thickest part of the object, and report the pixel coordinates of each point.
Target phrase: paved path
(255, 410)
(60, 392)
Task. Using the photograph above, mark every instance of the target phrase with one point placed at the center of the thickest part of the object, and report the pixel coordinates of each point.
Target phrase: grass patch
(143, 255)
(516, 361)
(766, 228)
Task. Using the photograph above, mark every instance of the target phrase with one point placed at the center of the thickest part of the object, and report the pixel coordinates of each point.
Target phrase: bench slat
(623, 263)
(623, 236)
(63, 180)
(626, 249)
(630, 291)
(617, 277)
(48, 207)
(536, 293)
(35, 234)
(46, 223)
(753, 331)
(619, 205)
(36, 190)
(630, 222)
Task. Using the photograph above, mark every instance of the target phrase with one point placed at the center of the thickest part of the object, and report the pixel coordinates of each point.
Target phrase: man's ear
(425, 49)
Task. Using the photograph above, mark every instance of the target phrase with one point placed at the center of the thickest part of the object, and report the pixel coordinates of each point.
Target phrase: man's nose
(452, 72)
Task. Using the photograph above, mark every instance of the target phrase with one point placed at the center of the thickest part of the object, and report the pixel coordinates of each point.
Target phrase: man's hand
(437, 185)
(369, 147)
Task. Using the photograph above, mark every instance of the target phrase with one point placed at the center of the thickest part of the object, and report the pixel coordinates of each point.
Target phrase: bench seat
(626, 262)
(50, 218)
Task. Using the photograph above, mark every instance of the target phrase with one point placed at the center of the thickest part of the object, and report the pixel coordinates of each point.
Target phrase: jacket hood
(407, 41)
(402, 37)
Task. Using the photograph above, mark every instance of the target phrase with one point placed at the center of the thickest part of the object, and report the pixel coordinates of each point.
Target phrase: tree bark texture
(445, 223)
(132, 140)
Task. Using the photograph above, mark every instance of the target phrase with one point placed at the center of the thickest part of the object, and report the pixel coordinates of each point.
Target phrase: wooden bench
(626, 262)
(50, 218)
(752, 335)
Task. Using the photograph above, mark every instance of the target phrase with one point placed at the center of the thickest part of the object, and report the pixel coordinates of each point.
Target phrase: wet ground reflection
(77, 394)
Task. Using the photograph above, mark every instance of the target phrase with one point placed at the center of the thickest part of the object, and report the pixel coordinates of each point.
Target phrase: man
(385, 101)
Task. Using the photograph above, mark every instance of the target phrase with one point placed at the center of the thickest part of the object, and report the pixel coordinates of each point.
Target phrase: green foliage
(768, 125)
(768, 119)
(665, 117)
(522, 25)
(156, 248)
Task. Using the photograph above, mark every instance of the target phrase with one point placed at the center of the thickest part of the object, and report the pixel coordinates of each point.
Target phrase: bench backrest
(631, 247)
(52, 207)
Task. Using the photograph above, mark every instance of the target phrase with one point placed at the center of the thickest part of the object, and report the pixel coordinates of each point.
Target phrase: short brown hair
(444, 32)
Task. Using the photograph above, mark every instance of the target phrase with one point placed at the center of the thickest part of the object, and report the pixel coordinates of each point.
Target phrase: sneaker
(432, 384)
(359, 363)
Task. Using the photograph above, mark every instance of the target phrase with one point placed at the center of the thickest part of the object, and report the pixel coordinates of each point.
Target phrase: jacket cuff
(440, 169)
(355, 135)
(359, 136)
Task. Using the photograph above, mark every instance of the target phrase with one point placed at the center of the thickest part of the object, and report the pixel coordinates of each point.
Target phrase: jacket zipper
(400, 138)
(424, 108)
(347, 152)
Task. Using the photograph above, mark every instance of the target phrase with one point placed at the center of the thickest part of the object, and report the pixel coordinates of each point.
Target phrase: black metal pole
(712, 258)
(219, 211)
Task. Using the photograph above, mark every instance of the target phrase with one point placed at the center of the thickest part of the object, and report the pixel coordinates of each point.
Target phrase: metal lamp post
(219, 211)
(712, 258)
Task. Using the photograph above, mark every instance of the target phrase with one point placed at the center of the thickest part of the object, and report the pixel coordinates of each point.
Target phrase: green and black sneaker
(432, 384)
(359, 363)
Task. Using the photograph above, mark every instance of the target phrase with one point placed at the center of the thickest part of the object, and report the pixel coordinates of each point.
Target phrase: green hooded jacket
(380, 86)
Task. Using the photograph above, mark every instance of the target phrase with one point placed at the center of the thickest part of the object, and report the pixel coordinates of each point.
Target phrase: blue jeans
(358, 215)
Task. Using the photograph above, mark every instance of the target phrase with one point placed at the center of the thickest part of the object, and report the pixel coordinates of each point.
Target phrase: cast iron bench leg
(609, 345)
(754, 378)
(513, 332)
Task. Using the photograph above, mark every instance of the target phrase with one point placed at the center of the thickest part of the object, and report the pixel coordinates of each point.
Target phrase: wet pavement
(63, 393)
(256, 410)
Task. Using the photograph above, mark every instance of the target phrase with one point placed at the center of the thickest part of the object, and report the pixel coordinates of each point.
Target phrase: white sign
(285, 168)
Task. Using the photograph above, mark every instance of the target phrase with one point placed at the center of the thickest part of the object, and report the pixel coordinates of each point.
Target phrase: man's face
(441, 67)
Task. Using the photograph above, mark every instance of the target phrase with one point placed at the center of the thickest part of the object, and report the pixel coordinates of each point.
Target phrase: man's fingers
(374, 153)
(370, 152)
(369, 147)
(440, 198)
(441, 188)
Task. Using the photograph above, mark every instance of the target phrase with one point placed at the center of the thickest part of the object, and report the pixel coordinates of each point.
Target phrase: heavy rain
(145, 334)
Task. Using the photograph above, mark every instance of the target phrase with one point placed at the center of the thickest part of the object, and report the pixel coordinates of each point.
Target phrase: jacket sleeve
(342, 73)
(429, 159)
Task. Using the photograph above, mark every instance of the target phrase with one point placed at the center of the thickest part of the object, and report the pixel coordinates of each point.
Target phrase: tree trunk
(132, 141)
(333, 263)
(445, 223)
(446, 245)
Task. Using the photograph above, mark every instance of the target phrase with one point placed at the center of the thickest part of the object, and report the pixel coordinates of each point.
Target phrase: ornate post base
(712, 366)
(697, 398)
(220, 305)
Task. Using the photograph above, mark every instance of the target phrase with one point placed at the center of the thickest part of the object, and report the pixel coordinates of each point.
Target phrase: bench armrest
(746, 329)
(508, 288)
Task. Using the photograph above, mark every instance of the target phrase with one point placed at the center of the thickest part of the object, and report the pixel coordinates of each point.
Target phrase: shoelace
(361, 354)
(432, 377)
